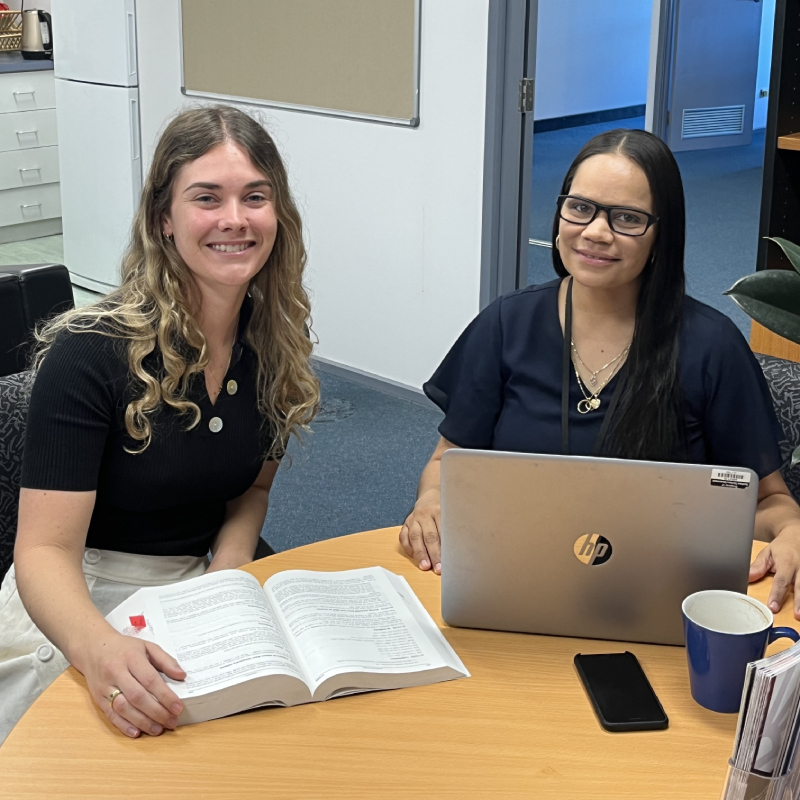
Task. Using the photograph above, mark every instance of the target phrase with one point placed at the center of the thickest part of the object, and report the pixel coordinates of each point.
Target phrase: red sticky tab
(138, 622)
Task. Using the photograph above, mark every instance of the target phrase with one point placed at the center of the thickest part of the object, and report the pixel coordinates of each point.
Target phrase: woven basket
(10, 30)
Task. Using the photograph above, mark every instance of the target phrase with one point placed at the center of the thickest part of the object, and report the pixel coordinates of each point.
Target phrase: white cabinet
(30, 199)
(27, 91)
(30, 204)
(28, 129)
(28, 168)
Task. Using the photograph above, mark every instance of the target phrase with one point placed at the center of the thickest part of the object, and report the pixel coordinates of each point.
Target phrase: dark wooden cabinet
(780, 199)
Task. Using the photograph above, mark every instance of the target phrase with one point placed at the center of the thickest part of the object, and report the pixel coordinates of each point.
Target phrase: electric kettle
(37, 34)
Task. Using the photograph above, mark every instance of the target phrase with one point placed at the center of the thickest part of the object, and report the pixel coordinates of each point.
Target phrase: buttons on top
(233, 387)
(215, 424)
(44, 652)
(91, 556)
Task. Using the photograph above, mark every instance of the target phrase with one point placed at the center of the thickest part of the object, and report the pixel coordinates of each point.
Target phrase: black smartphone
(620, 692)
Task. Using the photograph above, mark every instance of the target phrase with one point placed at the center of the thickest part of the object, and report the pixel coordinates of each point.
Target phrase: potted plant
(772, 298)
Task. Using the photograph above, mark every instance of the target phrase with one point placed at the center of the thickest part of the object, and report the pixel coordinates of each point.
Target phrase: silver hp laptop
(588, 547)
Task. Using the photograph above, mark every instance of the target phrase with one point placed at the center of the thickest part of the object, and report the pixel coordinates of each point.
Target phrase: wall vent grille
(722, 121)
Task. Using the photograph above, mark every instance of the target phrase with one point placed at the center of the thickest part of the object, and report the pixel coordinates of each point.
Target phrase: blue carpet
(723, 202)
(357, 470)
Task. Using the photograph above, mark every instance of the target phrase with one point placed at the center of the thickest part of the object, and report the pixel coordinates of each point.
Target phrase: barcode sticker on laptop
(730, 478)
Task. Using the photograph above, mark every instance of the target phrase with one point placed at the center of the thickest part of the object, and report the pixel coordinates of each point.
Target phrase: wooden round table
(521, 726)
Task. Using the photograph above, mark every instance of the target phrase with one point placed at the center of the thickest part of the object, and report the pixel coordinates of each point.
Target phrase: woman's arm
(47, 560)
(419, 535)
(778, 522)
(236, 540)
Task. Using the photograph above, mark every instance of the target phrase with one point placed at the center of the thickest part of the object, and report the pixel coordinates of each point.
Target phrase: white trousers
(29, 663)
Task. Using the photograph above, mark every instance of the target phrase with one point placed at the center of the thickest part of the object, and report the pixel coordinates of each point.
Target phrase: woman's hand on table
(145, 703)
(781, 557)
(48, 554)
(778, 522)
(419, 536)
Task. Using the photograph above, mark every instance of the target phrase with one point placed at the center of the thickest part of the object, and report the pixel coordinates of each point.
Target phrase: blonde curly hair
(152, 308)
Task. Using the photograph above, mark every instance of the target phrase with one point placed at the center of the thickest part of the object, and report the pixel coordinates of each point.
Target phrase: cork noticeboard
(352, 58)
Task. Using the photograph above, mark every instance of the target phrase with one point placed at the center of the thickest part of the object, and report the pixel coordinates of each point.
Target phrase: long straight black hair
(648, 422)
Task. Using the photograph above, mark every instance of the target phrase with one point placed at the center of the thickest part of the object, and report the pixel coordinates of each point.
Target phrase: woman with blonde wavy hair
(158, 418)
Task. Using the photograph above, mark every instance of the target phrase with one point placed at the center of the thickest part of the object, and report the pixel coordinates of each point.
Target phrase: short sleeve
(72, 404)
(468, 385)
(741, 429)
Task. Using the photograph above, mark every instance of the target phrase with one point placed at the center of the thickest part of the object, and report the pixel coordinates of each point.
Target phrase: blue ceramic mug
(724, 632)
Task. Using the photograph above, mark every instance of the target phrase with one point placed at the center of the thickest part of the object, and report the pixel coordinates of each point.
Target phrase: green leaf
(772, 298)
(795, 457)
(791, 250)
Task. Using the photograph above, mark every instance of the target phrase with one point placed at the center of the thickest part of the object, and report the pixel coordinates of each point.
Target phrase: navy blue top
(500, 386)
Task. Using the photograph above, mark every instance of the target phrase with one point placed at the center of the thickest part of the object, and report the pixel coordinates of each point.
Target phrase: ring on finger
(113, 696)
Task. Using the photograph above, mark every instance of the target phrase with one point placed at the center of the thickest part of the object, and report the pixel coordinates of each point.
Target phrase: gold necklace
(218, 389)
(594, 374)
(591, 402)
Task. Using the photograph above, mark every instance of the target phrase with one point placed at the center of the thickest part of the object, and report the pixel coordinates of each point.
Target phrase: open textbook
(303, 637)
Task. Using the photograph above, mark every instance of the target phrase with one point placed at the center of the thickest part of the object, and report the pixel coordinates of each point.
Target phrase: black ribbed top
(168, 500)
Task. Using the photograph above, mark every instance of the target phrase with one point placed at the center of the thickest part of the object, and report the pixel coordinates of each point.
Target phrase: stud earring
(169, 237)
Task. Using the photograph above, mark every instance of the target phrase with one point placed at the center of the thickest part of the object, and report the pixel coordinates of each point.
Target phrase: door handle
(136, 150)
(132, 59)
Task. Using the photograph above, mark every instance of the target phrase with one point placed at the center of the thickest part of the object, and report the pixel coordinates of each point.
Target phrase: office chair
(783, 379)
(14, 393)
(29, 293)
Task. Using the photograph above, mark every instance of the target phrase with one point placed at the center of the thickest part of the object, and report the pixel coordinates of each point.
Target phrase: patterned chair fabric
(783, 378)
(14, 393)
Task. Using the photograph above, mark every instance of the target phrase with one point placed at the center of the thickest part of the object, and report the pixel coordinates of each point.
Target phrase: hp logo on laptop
(592, 549)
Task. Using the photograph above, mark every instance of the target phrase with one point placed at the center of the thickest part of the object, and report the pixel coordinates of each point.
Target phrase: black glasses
(627, 221)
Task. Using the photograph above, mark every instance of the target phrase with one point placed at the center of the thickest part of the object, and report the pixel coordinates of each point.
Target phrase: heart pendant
(594, 403)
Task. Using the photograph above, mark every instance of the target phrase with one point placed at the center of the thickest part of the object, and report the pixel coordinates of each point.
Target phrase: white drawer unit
(31, 204)
(20, 168)
(27, 130)
(27, 91)
(30, 189)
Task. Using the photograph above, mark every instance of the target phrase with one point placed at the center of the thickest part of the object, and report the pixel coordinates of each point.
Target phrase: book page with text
(352, 621)
(219, 627)
(440, 644)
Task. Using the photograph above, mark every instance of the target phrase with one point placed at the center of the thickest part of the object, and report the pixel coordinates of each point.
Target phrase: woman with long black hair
(650, 373)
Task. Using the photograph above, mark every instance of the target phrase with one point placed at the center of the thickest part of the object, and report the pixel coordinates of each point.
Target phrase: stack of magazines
(766, 744)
